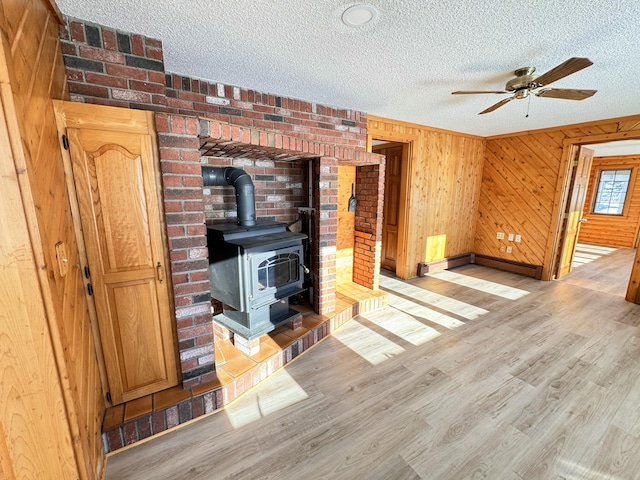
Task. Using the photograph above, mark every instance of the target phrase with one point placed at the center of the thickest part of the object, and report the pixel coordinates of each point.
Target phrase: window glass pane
(612, 191)
(278, 270)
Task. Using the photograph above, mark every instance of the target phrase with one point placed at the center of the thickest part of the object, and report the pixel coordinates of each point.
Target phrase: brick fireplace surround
(275, 139)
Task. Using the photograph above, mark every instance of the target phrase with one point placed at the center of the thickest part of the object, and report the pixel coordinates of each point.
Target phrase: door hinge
(65, 142)
(87, 272)
(90, 289)
(108, 397)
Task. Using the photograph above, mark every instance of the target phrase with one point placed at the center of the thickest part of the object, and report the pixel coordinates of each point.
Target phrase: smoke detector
(359, 15)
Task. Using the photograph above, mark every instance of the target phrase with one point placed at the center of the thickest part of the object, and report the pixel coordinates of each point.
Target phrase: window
(611, 191)
(278, 270)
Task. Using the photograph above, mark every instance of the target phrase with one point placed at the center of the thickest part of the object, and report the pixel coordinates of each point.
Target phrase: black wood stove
(254, 266)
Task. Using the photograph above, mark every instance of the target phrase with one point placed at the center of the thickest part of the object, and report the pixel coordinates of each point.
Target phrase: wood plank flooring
(471, 373)
(602, 268)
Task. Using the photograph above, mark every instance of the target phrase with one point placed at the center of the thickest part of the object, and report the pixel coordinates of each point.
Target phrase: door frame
(403, 163)
(562, 241)
(404, 225)
(61, 124)
(563, 187)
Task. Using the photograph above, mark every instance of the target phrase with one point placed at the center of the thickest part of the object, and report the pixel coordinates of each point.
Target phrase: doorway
(395, 201)
(601, 229)
(602, 268)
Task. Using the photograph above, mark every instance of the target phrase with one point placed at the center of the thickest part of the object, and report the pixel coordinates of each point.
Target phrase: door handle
(583, 220)
(160, 272)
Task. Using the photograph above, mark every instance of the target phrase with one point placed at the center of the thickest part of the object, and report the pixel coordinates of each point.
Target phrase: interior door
(391, 211)
(116, 175)
(575, 210)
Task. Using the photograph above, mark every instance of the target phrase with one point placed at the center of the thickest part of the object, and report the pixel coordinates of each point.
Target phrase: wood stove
(253, 271)
(254, 267)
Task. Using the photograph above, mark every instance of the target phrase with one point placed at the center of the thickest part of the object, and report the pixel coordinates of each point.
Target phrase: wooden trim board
(534, 271)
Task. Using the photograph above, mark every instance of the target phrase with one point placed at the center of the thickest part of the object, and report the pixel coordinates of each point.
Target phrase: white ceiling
(615, 149)
(406, 64)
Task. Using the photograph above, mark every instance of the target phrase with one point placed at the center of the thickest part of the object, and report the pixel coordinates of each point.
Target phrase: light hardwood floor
(602, 268)
(470, 373)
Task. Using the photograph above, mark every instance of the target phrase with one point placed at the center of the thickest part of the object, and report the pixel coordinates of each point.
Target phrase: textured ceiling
(408, 62)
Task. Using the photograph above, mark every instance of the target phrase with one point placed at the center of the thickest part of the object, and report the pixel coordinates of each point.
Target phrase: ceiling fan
(525, 82)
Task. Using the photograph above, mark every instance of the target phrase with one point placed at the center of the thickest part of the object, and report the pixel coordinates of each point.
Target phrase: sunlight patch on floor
(586, 256)
(588, 253)
(571, 470)
(579, 260)
(416, 310)
(402, 325)
(595, 248)
(280, 391)
(443, 302)
(486, 286)
(370, 345)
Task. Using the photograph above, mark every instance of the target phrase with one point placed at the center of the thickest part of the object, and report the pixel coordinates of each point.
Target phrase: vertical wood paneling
(36, 75)
(619, 230)
(443, 193)
(346, 225)
(519, 187)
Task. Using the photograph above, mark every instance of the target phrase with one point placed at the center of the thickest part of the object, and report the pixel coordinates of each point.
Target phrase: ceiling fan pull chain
(528, 105)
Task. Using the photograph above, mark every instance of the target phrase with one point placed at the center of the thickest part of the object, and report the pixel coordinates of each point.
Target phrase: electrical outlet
(518, 238)
(500, 236)
(510, 237)
(509, 249)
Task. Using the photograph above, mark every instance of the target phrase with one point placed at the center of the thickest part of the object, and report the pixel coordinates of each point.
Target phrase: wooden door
(391, 211)
(575, 209)
(116, 175)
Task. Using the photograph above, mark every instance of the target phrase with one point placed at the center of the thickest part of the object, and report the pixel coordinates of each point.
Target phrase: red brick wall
(268, 112)
(114, 68)
(184, 212)
(122, 69)
(279, 186)
(105, 66)
(326, 228)
(368, 225)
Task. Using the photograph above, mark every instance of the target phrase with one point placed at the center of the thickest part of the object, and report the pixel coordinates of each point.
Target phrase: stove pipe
(241, 181)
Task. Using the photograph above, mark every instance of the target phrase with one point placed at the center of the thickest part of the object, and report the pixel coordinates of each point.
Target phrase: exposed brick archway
(186, 143)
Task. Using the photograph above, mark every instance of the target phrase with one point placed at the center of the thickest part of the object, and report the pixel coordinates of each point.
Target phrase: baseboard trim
(526, 269)
(444, 264)
(534, 271)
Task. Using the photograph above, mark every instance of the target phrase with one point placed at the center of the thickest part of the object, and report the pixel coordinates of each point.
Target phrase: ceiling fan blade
(572, 65)
(473, 92)
(497, 105)
(565, 93)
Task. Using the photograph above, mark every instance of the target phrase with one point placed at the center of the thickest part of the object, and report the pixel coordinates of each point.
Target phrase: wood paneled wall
(522, 187)
(346, 225)
(618, 230)
(71, 392)
(443, 185)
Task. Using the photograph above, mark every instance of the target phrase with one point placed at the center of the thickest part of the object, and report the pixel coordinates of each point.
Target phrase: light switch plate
(511, 237)
(500, 236)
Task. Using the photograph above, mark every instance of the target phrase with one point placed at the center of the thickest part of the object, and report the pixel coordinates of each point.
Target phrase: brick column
(325, 202)
(183, 202)
(368, 225)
